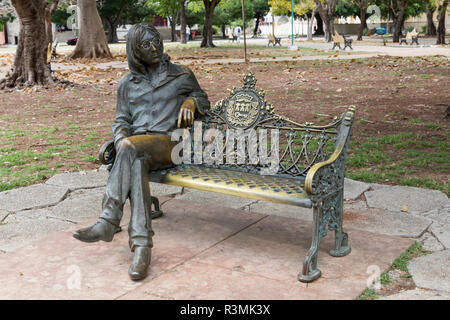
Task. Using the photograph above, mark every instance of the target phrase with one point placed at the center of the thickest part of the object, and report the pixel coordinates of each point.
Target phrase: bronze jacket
(142, 108)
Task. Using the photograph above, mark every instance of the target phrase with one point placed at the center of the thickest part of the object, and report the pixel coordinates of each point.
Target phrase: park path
(213, 246)
(361, 52)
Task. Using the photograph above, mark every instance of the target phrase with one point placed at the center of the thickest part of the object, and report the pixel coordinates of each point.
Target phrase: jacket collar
(173, 71)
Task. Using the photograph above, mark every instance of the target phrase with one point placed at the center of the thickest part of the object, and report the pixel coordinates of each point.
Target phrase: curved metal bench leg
(157, 212)
(310, 272)
(341, 247)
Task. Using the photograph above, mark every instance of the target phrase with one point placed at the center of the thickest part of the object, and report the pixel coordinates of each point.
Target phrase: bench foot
(341, 247)
(157, 212)
(310, 277)
(310, 272)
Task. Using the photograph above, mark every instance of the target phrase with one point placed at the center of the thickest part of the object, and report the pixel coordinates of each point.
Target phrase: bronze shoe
(141, 261)
(100, 230)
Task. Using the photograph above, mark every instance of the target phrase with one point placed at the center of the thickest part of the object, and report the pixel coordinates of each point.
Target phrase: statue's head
(144, 43)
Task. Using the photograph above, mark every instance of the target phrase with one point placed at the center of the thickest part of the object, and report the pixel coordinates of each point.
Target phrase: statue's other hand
(186, 114)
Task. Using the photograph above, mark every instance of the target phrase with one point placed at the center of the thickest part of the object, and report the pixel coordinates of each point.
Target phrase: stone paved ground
(212, 246)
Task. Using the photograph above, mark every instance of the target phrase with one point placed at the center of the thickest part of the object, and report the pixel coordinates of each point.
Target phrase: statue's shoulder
(177, 69)
(125, 80)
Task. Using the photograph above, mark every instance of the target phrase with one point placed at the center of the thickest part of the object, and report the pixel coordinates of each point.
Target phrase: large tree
(326, 10)
(431, 28)
(110, 12)
(92, 41)
(210, 6)
(399, 11)
(442, 12)
(260, 9)
(362, 6)
(30, 63)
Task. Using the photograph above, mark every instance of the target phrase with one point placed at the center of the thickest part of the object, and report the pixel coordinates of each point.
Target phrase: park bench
(232, 38)
(412, 36)
(338, 40)
(273, 40)
(306, 171)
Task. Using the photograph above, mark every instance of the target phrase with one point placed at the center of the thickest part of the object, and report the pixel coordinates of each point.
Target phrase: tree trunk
(207, 41)
(319, 30)
(92, 41)
(431, 28)
(30, 63)
(309, 31)
(398, 27)
(48, 23)
(441, 23)
(224, 31)
(398, 18)
(363, 18)
(173, 24)
(112, 31)
(326, 10)
(255, 30)
(183, 21)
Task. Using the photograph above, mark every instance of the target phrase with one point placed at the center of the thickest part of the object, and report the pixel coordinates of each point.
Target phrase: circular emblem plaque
(243, 109)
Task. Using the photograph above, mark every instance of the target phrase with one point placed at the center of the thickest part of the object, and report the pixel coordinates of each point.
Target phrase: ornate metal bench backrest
(246, 115)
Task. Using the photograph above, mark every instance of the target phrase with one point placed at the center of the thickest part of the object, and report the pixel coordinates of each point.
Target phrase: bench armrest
(330, 172)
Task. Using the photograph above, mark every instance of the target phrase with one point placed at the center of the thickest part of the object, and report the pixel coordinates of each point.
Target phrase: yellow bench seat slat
(248, 185)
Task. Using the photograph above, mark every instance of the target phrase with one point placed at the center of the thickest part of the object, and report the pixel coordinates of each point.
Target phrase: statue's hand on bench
(186, 114)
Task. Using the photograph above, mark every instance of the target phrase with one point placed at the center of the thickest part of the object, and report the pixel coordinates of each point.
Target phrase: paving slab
(263, 261)
(442, 233)
(3, 214)
(200, 252)
(386, 222)
(159, 189)
(430, 243)
(79, 180)
(281, 210)
(432, 271)
(23, 228)
(441, 215)
(214, 198)
(354, 189)
(61, 267)
(32, 197)
(416, 199)
(79, 206)
(419, 294)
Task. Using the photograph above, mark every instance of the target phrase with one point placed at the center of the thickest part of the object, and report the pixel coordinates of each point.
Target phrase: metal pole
(292, 15)
(243, 27)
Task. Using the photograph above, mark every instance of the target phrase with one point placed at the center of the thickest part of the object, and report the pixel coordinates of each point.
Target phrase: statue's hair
(134, 37)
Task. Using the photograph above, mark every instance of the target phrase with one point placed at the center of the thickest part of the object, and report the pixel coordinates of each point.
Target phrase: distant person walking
(237, 33)
(188, 33)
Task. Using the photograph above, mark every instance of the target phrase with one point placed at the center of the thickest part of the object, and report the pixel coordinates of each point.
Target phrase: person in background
(188, 33)
(237, 33)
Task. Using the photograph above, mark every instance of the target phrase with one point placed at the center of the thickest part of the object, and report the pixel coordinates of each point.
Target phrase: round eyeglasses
(147, 44)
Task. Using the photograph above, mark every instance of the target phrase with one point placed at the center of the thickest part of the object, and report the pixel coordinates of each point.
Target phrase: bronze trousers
(137, 155)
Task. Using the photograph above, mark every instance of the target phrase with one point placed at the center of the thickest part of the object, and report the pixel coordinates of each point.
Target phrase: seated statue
(155, 98)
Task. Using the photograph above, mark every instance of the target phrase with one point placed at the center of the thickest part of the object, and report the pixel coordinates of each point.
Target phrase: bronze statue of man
(155, 98)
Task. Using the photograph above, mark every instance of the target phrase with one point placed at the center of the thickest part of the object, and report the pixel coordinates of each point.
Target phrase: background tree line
(35, 17)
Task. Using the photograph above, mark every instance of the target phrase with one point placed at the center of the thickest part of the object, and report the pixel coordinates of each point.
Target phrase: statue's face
(151, 48)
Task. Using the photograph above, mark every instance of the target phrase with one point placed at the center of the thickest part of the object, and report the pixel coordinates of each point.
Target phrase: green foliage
(164, 8)
(368, 294)
(415, 250)
(125, 11)
(284, 7)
